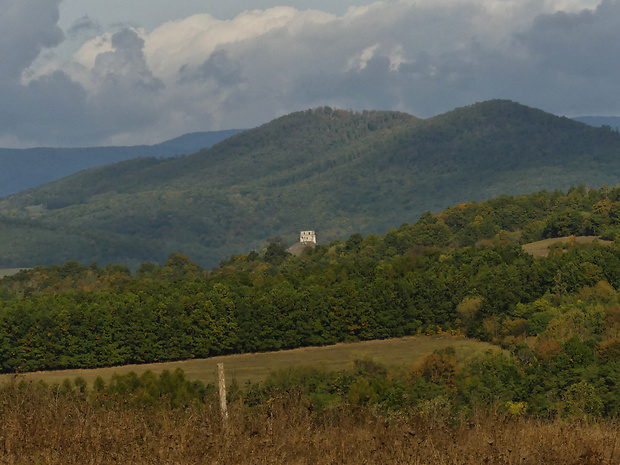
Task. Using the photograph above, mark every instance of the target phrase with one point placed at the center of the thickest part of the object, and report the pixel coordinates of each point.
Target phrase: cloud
(218, 67)
(27, 28)
(585, 43)
(84, 26)
(190, 42)
(423, 57)
(123, 94)
(574, 59)
(124, 62)
(31, 111)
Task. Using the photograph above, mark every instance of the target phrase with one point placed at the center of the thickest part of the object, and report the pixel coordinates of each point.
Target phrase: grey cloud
(84, 26)
(218, 68)
(46, 109)
(124, 70)
(320, 64)
(128, 93)
(417, 58)
(43, 109)
(26, 27)
(371, 87)
(55, 110)
(126, 58)
(567, 63)
(585, 43)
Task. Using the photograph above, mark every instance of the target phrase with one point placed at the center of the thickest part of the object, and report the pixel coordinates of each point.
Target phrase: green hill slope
(22, 169)
(334, 171)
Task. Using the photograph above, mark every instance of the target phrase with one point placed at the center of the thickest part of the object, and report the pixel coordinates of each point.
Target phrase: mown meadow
(256, 367)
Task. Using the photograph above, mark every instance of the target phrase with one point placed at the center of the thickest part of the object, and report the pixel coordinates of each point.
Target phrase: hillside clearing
(10, 271)
(403, 352)
(541, 248)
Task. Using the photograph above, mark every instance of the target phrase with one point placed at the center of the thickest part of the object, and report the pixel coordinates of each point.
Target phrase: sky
(126, 72)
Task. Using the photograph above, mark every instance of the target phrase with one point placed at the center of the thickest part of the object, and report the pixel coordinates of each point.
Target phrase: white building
(307, 237)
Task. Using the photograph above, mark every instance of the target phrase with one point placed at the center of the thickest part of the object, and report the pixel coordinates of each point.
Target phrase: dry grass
(256, 367)
(541, 248)
(37, 427)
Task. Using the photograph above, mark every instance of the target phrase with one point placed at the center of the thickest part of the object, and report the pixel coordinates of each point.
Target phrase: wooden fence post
(222, 382)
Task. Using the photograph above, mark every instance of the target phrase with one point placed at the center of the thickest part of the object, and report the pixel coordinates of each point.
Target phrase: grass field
(403, 352)
(541, 248)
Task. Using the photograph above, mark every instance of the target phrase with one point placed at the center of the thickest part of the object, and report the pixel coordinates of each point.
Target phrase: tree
(275, 253)
(566, 223)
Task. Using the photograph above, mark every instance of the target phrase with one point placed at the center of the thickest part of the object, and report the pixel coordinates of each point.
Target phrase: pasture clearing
(400, 353)
(541, 248)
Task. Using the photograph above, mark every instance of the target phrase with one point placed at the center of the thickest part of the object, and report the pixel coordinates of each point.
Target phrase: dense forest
(462, 271)
(328, 170)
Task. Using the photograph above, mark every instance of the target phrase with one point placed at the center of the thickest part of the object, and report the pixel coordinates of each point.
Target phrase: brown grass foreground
(38, 427)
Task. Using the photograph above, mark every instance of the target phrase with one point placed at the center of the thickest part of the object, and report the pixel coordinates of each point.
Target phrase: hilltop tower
(307, 237)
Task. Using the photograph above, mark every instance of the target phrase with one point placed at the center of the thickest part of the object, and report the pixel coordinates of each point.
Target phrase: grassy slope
(332, 171)
(541, 248)
(404, 352)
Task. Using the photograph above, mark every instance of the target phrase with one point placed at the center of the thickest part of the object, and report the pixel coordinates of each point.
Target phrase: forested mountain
(22, 169)
(333, 171)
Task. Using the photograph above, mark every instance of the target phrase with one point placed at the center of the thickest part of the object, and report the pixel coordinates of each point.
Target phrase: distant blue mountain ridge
(600, 121)
(22, 169)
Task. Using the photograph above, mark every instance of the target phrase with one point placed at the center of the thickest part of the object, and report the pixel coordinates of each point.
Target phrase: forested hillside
(552, 381)
(336, 172)
(461, 272)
